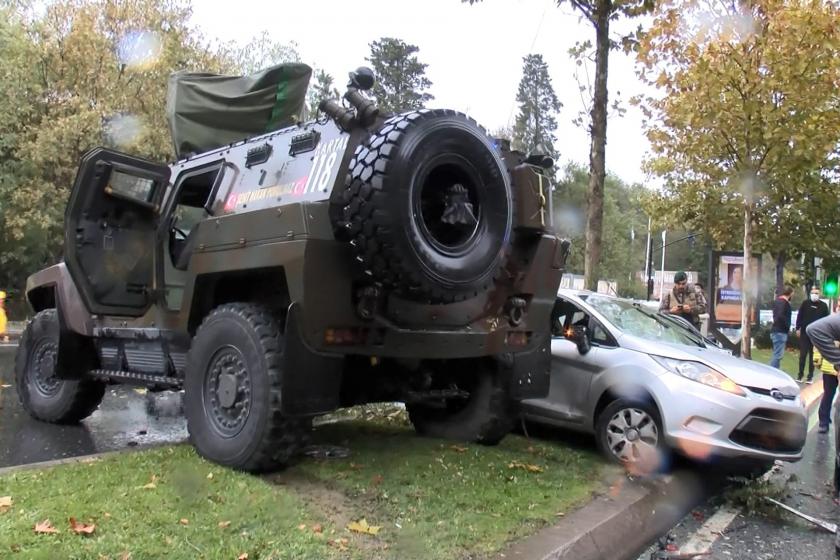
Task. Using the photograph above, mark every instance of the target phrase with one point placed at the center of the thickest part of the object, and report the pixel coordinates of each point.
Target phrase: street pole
(662, 278)
(647, 262)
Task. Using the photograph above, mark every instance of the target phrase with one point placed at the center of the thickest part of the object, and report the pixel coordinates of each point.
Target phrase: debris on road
(830, 527)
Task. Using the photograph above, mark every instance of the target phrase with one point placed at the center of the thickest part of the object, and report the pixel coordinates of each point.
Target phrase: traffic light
(830, 286)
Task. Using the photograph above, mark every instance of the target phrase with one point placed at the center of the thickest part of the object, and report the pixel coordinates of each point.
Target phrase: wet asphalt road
(779, 535)
(122, 420)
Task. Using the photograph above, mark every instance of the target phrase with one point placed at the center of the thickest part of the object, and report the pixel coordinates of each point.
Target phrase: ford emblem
(776, 394)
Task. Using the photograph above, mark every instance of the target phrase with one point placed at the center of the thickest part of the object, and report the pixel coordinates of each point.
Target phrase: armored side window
(132, 186)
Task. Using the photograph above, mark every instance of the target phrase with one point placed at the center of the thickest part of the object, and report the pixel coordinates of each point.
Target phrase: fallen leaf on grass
(125, 556)
(151, 485)
(317, 528)
(340, 544)
(356, 466)
(376, 480)
(243, 556)
(82, 528)
(209, 476)
(5, 503)
(302, 526)
(457, 448)
(361, 526)
(525, 467)
(224, 524)
(184, 521)
(45, 527)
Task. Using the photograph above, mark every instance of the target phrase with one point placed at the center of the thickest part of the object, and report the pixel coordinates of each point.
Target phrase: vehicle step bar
(137, 378)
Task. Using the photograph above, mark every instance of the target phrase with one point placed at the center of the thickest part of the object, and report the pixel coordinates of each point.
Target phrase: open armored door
(110, 225)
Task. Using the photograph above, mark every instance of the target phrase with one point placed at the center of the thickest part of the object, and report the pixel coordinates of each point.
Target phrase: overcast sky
(474, 55)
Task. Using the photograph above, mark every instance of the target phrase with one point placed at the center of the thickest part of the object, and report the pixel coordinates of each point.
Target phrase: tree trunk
(597, 150)
(781, 259)
(746, 284)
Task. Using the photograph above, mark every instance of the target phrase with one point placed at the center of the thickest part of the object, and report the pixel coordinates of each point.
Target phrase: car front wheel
(630, 433)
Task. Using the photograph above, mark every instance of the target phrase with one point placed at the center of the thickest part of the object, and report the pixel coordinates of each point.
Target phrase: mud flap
(76, 353)
(529, 372)
(311, 380)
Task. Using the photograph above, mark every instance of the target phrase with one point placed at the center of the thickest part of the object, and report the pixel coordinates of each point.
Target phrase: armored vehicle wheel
(428, 206)
(485, 416)
(43, 395)
(232, 390)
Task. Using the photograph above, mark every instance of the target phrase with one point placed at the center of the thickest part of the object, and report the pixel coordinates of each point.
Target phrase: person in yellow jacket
(3, 335)
(829, 379)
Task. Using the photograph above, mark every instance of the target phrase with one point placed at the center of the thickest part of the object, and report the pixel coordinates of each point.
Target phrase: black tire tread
(86, 395)
(283, 437)
(368, 226)
(488, 423)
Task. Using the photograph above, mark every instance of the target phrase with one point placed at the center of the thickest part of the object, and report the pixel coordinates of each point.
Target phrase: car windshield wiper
(671, 324)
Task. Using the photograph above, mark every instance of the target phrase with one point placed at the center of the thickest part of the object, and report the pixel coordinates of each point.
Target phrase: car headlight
(700, 373)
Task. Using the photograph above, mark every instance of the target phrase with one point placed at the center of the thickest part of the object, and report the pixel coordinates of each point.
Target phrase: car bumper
(704, 423)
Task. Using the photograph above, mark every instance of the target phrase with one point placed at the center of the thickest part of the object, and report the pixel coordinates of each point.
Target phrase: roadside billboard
(728, 286)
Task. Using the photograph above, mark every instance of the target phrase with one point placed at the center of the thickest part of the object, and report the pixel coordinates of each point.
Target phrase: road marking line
(703, 539)
(813, 420)
(812, 392)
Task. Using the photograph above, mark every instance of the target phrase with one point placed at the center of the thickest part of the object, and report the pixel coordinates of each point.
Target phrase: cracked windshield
(453, 279)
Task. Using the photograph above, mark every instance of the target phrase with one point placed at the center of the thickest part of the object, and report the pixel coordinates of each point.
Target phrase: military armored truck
(358, 257)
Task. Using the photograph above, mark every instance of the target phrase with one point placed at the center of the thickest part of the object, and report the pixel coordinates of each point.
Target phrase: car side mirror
(579, 335)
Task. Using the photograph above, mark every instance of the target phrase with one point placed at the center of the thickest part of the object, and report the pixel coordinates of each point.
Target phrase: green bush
(761, 338)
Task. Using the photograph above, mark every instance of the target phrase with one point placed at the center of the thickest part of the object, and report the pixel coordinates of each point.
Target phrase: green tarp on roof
(206, 111)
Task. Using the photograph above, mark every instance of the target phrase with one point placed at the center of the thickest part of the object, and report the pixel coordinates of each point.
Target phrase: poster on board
(729, 286)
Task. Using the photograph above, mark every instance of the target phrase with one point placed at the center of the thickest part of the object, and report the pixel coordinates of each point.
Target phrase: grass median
(423, 498)
(790, 360)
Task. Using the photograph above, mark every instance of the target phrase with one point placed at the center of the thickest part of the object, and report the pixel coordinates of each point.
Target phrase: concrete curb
(91, 458)
(618, 526)
(621, 525)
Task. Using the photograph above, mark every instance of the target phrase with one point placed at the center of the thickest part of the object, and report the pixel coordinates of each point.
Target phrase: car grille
(771, 430)
(760, 391)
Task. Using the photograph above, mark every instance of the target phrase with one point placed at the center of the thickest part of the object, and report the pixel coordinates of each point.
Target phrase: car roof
(581, 294)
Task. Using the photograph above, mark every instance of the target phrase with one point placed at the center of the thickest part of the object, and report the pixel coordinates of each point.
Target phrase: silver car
(646, 386)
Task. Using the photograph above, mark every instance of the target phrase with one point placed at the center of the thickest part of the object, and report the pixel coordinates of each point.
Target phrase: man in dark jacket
(811, 309)
(781, 325)
(825, 335)
(682, 301)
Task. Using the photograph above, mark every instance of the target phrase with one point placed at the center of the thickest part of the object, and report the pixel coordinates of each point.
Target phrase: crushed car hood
(743, 372)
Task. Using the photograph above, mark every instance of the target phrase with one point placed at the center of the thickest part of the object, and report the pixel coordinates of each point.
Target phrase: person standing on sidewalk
(682, 301)
(811, 310)
(825, 336)
(781, 325)
(829, 379)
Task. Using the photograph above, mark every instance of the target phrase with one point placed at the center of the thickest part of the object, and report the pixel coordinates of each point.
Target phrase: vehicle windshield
(634, 320)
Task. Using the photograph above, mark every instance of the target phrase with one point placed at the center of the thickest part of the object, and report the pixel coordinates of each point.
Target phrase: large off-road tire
(42, 394)
(428, 206)
(486, 417)
(629, 433)
(232, 390)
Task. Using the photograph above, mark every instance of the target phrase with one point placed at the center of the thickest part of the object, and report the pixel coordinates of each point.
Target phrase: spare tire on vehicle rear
(428, 206)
